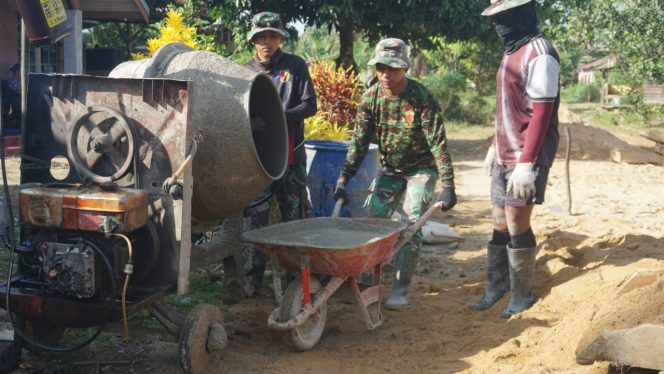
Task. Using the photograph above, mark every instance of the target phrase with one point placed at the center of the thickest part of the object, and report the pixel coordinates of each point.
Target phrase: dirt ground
(615, 229)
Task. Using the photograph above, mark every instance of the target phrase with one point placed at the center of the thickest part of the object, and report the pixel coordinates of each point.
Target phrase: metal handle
(414, 227)
(337, 207)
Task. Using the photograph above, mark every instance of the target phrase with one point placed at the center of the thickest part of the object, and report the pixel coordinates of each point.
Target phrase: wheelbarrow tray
(336, 246)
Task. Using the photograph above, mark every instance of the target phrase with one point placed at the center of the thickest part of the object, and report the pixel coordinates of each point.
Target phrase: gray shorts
(500, 174)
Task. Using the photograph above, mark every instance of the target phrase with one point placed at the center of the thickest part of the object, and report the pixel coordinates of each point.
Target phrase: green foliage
(458, 101)
(203, 288)
(338, 91)
(633, 29)
(446, 88)
(127, 38)
(475, 60)
(581, 93)
(317, 43)
(321, 43)
(411, 20)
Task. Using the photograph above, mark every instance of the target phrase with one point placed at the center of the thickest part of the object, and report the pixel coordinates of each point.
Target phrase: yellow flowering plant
(172, 29)
(318, 127)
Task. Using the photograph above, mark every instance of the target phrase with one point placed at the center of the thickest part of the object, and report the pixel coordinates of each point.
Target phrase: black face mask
(516, 26)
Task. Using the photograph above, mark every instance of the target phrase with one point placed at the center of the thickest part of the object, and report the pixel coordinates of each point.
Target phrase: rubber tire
(306, 336)
(194, 355)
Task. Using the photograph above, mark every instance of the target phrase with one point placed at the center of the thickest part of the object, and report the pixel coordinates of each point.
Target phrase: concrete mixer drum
(241, 127)
(101, 145)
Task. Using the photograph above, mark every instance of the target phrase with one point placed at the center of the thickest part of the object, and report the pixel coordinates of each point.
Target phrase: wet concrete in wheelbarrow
(325, 232)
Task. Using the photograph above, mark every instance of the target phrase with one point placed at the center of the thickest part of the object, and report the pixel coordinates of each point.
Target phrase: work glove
(522, 181)
(340, 189)
(489, 160)
(448, 198)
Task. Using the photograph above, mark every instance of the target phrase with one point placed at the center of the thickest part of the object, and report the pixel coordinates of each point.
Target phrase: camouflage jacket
(409, 131)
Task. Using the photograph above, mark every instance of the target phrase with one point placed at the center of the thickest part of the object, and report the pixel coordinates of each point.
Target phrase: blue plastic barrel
(325, 158)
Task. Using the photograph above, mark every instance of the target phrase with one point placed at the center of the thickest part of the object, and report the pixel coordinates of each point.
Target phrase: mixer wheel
(202, 339)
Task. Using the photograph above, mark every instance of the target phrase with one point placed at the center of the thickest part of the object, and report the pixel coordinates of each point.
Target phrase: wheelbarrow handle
(337, 207)
(413, 228)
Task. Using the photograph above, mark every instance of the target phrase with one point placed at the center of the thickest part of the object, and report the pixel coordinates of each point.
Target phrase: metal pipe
(129, 269)
(25, 66)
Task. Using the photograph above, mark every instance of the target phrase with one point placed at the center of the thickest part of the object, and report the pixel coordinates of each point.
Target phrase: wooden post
(568, 143)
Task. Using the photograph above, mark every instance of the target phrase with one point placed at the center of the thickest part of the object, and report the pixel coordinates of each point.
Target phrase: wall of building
(8, 39)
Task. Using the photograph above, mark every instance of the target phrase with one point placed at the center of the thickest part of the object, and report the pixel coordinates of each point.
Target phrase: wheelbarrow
(339, 249)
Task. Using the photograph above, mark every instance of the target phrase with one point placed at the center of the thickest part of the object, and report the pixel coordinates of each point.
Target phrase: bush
(446, 88)
(337, 92)
(458, 101)
(475, 109)
(582, 93)
(318, 127)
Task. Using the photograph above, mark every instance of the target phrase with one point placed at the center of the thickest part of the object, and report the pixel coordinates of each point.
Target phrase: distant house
(586, 73)
(65, 56)
(653, 93)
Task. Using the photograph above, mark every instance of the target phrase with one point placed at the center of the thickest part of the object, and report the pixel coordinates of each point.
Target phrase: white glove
(489, 159)
(522, 181)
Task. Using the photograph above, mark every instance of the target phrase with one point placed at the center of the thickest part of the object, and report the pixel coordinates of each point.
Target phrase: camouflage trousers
(416, 188)
(288, 196)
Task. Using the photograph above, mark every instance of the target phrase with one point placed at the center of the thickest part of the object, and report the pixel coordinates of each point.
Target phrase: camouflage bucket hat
(502, 5)
(266, 21)
(391, 52)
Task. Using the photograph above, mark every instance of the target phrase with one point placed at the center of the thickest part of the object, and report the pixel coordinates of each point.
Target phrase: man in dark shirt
(290, 75)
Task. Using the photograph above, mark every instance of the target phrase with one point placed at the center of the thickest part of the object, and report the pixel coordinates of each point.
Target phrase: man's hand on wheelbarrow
(448, 198)
(340, 190)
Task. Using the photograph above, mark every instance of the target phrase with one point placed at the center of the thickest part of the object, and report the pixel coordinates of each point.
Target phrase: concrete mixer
(185, 136)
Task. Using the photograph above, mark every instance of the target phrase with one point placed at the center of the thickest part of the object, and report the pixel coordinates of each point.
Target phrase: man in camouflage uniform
(406, 121)
(290, 75)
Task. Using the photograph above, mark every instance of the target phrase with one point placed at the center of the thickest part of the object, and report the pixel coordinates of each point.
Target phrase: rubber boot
(522, 268)
(405, 263)
(498, 277)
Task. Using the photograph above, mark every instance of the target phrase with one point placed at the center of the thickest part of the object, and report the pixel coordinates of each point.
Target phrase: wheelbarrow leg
(369, 301)
(306, 280)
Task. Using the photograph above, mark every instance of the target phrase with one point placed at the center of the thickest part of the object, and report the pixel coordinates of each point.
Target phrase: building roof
(113, 10)
(603, 63)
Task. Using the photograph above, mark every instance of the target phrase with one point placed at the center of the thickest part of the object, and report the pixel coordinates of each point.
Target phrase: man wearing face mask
(523, 150)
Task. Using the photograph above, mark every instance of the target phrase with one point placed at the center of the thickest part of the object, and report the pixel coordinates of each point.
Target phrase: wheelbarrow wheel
(202, 339)
(307, 335)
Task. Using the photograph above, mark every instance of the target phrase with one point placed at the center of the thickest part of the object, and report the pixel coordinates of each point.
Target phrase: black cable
(17, 330)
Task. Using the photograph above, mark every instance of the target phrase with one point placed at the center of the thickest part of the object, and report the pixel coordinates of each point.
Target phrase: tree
(475, 60)
(632, 29)
(414, 21)
(122, 36)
